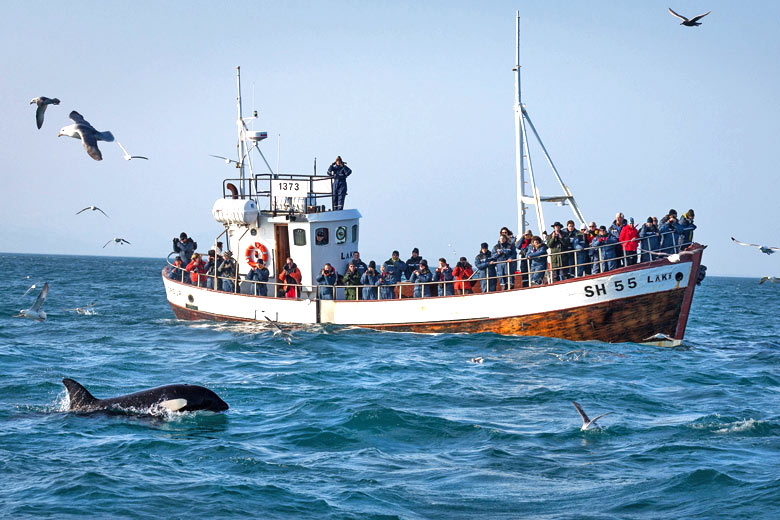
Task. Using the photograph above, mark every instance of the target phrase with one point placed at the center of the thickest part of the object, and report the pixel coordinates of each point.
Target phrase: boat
(276, 216)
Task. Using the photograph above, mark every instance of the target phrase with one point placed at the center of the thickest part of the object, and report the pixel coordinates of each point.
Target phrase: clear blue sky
(639, 113)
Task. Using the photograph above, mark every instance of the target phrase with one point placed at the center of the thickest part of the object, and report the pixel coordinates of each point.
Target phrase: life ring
(255, 251)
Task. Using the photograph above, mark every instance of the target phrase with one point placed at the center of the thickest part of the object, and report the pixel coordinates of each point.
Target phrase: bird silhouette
(120, 241)
(693, 22)
(93, 208)
(42, 103)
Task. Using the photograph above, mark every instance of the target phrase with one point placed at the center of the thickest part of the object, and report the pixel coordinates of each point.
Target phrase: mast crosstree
(523, 162)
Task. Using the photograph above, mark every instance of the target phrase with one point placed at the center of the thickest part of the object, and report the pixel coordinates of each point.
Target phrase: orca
(176, 398)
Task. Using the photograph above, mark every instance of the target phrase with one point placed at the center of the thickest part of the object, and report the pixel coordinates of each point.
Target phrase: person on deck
(512, 264)
(688, 226)
(629, 239)
(369, 281)
(258, 274)
(413, 263)
(351, 278)
(211, 270)
(650, 240)
(339, 171)
(327, 279)
(593, 251)
(386, 282)
(523, 246)
(503, 252)
(443, 274)
(571, 258)
(398, 267)
(557, 244)
(670, 234)
(177, 269)
(485, 263)
(185, 246)
(579, 244)
(358, 263)
(538, 259)
(462, 273)
(197, 270)
(291, 278)
(617, 226)
(420, 278)
(606, 243)
(227, 272)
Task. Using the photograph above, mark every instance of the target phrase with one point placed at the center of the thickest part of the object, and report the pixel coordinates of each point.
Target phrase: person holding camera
(462, 273)
(443, 274)
(339, 171)
(486, 267)
(351, 279)
(227, 272)
(557, 243)
(537, 256)
(327, 279)
(185, 246)
(503, 252)
(670, 232)
(291, 277)
(420, 278)
(369, 281)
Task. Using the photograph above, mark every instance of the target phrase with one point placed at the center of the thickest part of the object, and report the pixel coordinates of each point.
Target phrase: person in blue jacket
(327, 279)
(686, 222)
(579, 244)
(359, 264)
(339, 171)
(386, 283)
(670, 234)
(503, 252)
(369, 281)
(537, 254)
(443, 274)
(259, 274)
(397, 266)
(607, 244)
(650, 240)
(420, 278)
(485, 263)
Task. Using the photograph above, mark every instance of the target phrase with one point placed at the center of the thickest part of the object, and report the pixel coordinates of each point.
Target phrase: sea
(353, 424)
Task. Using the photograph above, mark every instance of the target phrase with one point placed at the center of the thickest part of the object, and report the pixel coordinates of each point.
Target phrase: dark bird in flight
(42, 103)
(693, 22)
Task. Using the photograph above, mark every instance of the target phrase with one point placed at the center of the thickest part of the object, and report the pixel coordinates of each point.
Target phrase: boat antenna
(240, 125)
(523, 161)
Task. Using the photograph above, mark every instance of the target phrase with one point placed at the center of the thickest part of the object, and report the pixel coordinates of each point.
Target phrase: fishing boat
(277, 216)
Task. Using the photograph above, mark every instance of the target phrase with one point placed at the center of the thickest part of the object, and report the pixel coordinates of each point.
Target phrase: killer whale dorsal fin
(78, 395)
(174, 405)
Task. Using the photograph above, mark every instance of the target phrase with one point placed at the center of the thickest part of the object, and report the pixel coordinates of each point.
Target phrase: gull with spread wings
(35, 312)
(87, 133)
(127, 156)
(764, 249)
(120, 241)
(693, 22)
(93, 208)
(588, 423)
(42, 102)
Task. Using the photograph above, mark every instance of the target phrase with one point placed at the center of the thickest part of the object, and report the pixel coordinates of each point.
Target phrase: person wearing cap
(226, 272)
(670, 231)
(351, 279)
(369, 281)
(665, 219)
(177, 270)
(185, 246)
(650, 239)
(339, 171)
(212, 264)
(593, 252)
(259, 274)
(629, 239)
(327, 279)
(504, 252)
(462, 273)
(485, 263)
(395, 267)
(412, 264)
(537, 256)
(420, 278)
(443, 274)
(291, 277)
(688, 226)
(571, 258)
(386, 282)
(606, 244)
(557, 244)
(615, 229)
(579, 244)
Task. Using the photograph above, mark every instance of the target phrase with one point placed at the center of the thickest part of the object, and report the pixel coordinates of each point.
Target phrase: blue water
(357, 424)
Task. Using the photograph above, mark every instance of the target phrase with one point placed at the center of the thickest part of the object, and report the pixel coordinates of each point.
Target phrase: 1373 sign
(284, 188)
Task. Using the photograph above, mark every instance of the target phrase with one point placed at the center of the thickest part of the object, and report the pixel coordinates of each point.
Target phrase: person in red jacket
(197, 270)
(462, 273)
(629, 238)
(291, 276)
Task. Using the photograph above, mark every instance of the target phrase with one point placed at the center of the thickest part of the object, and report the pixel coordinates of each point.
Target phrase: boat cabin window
(321, 236)
(299, 237)
(354, 233)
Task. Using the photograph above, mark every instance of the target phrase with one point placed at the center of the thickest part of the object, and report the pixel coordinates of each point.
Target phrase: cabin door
(282, 250)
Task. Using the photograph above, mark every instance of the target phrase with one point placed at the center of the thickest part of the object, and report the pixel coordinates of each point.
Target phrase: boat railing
(314, 189)
(510, 274)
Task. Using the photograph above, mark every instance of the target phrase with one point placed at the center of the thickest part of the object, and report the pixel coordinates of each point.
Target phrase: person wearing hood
(606, 244)
(557, 244)
(503, 252)
(351, 279)
(259, 274)
(339, 171)
(226, 271)
(462, 273)
(397, 266)
(650, 240)
(443, 274)
(538, 260)
(327, 279)
(485, 263)
(420, 278)
(369, 281)
(629, 240)
(688, 226)
(185, 246)
(291, 278)
(386, 282)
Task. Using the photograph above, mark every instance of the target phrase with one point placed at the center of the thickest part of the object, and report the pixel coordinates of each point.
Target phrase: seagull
(93, 208)
(127, 156)
(227, 161)
(120, 241)
(35, 312)
(87, 310)
(676, 257)
(280, 331)
(477, 360)
(658, 337)
(770, 279)
(33, 286)
(764, 249)
(586, 422)
(42, 103)
(693, 22)
(87, 133)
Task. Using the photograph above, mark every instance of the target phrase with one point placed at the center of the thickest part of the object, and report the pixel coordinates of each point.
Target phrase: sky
(639, 114)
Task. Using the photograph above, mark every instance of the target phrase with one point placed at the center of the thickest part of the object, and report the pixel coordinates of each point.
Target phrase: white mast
(523, 158)
(240, 125)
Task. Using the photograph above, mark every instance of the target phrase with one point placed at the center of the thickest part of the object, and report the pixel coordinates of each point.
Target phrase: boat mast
(240, 125)
(523, 158)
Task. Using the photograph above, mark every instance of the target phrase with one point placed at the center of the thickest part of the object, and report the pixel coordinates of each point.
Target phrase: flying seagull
(764, 249)
(586, 422)
(35, 312)
(676, 257)
(227, 161)
(286, 336)
(33, 286)
(770, 279)
(42, 103)
(120, 241)
(127, 156)
(93, 208)
(693, 22)
(88, 135)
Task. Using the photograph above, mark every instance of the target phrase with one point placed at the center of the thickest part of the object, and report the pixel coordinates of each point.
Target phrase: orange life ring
(255, 251)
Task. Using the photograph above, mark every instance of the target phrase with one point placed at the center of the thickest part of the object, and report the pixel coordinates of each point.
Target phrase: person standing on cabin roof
(485, 263)
(413, 263)
(185, 246)
(351, 278)
(358, 263)
(369, 279)
(291, 277)
(339, 171)
(257, 274)
(326, 279)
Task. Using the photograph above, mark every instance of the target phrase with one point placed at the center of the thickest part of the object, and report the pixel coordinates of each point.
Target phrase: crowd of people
(564, 253)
